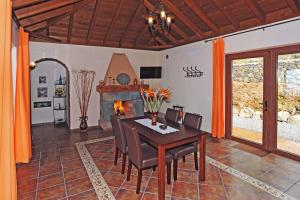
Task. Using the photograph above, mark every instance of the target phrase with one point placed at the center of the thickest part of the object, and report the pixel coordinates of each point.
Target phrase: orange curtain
(22, 106)
(218, 89)
(8, 182)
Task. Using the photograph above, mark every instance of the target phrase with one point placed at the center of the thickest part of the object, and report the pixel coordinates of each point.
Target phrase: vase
(83, 124)
(153, 118)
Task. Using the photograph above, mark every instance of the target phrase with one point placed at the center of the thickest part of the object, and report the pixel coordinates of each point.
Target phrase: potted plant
(153, 100)
(83, 82)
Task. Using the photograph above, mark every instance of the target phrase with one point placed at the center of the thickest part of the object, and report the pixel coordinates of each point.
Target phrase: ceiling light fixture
(159, 20)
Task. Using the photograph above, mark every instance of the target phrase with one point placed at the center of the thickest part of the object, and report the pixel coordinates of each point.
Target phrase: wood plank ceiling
(120, 23)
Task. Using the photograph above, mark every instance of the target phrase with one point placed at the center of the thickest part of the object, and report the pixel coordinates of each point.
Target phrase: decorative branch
(83, 83)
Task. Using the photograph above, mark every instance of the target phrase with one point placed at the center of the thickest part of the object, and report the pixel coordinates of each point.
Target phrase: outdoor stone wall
(254, 72)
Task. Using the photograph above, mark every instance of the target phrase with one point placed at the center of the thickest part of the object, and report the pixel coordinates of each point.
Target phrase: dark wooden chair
(172, 115)
(120, 140)
(142, 156)
(192, 121)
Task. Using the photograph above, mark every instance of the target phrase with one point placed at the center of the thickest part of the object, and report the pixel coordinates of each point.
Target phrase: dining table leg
(202, 154)
(161, 171)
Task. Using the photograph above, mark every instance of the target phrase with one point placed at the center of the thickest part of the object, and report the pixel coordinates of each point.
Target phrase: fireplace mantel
(120, 88)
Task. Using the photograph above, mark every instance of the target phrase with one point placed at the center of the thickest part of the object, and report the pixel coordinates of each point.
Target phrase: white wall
(52, 71)
(195, 94)
(78, 57)
(14, 48)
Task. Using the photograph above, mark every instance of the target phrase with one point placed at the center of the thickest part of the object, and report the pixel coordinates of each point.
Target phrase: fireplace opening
(118, 108)
(124, 108)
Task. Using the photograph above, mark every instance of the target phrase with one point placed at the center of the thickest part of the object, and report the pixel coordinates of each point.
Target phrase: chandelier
(159, 20)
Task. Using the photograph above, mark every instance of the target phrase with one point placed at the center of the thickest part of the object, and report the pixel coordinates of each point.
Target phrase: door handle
(266, 105)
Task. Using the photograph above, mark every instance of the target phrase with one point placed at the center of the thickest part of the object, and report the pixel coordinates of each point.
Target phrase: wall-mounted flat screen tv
(150, 72)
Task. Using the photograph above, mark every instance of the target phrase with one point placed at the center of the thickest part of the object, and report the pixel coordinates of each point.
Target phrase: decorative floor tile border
(101, 188)
(103, 192)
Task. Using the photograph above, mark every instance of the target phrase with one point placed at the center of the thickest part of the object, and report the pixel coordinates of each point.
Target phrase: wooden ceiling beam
(93, 20)
(45, 24)
(198, 11)
(43, 37)
(70, 27)
(185, 20)
(131, 21)
(120, 5)
(38, 26)
(43, 7)
(18, 4)
(223, 10)
(54, 13)
(253, 5)
(293, 4)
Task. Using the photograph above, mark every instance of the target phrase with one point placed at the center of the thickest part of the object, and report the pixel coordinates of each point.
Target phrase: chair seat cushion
(183, 150)
(150, 156)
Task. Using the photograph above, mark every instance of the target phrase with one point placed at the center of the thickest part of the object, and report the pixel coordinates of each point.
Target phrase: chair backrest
(134, 145)
(172, 115)
(192, 120)
(119, 134)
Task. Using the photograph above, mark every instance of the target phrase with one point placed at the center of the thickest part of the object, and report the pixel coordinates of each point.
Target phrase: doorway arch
(67, 84)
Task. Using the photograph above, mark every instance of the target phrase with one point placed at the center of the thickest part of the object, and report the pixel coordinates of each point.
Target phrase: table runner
(147, 122)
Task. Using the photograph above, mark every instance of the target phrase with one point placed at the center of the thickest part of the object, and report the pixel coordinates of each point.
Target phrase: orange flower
(150, 92)
(165, 93)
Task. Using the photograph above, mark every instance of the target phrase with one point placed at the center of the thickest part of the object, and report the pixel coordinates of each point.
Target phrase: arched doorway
(50, 92)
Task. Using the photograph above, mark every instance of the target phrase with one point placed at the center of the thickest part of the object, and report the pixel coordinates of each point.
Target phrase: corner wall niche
(50, 92)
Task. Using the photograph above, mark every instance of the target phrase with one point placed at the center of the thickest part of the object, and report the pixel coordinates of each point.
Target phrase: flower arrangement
(154, 99)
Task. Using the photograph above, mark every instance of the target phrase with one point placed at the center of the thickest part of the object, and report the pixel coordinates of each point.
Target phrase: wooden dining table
(163, 142)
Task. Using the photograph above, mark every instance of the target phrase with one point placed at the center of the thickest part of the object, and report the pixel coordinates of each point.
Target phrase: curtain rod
(255, 29)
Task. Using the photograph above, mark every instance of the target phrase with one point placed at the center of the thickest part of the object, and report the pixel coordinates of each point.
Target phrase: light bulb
(169, 20)
(150, 21)
(162, 14)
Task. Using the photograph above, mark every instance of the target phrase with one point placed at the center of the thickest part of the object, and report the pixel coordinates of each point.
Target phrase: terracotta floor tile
(152, 187)
(212, 196)
(50, 180)
(128, 195)
(28, 171)
(152, 196)
(89, 195)
(71, 155)
(75, 174)
(187, 176)
(230, 180)
(71, 165)
(27, 186)
(218, 190)
(185, 190)
(131, 185)
(26, 196)
(114, 179)
(212, 179)
(50, 168)
(79, 185)
(96, 155)
(113, 190)
(104, 164)
(56, 192)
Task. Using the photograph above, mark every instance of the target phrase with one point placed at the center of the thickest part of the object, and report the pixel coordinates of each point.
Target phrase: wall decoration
(42, 92)
(42, 104)
(123, 79)
(42, 79)
(190, 72)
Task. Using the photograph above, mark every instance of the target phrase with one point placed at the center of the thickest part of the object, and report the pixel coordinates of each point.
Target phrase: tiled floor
(57, 172)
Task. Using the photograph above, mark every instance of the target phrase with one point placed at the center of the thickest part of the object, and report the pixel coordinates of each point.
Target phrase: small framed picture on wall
(42, 79)
(42, 92)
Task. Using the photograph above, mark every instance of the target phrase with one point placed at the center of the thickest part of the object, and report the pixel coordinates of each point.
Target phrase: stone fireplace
(117, 97)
